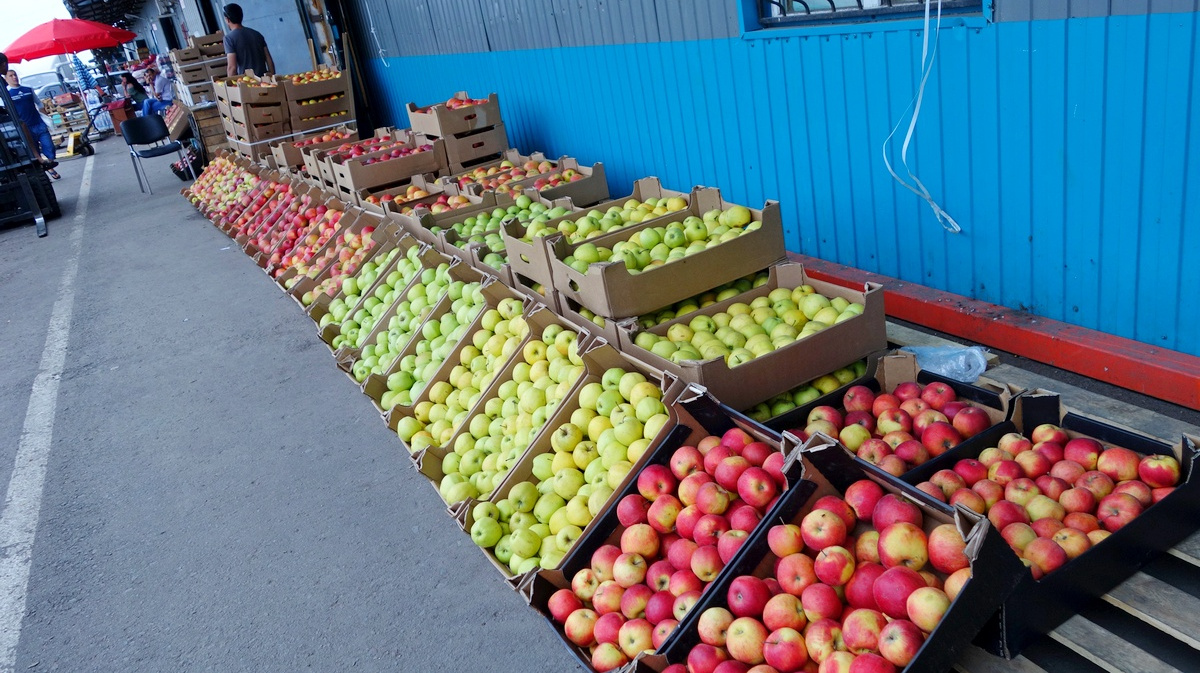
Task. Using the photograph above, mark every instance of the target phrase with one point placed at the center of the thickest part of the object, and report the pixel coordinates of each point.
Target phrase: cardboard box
(785, 368)
(301, 111)
(255, 115)
(440, 121)
(994, 570)
(185, 56)
(698, 416)
(596, 361)
(196, 73)
(377, 200)
(570, 309)
(318, 164)
(355, 174)
(276, 269)
(483, 143)
(238, 91)
(253, 240)
(320, 307)
(243, 212)
(212, 44)
(591, 189)
(346, 356)
(1039, 606)
(532, 258)
(426, 224)
(288, 154)
(512, 156)
(350, 222)
(608, 289)
(376, 384)
(325, 87)
(363, 220)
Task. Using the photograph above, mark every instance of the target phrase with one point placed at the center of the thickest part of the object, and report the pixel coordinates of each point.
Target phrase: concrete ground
(204, 490)
(217, 495)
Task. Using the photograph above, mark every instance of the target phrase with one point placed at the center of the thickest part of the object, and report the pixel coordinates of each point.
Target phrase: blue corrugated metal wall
(1064, 147)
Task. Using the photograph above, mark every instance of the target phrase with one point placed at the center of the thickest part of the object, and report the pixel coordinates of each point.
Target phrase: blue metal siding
(458, 26)
(1063, 147)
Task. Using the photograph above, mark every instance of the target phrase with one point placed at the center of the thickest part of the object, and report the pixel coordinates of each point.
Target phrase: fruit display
(352, 286)
(568, 477)
(524, 209)
(493, 177)
(328, 136)
(351, 150)
(742, 332)
(277, 236)
(319, 75)
(250, 81)
(679, 527)
(806, 392)
(323, 228)
(434, 419)
(1053, 494)
(903, 428)
(441, 204)
(512, 415)
(396, 152)
(410, 193)
(339, 262)
(358, 318)
(319, 99)
(380, 347)
(703, 300)
(222, 184)
(328, 115)
(265, 205)
(595, 223)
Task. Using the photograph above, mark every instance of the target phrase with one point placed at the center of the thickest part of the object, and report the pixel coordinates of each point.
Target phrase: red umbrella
(66, 36)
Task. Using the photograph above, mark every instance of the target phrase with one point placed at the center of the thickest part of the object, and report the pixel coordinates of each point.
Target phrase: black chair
(150, 132)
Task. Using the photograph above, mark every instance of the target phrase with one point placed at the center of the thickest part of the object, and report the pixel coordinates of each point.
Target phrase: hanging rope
(379, 47)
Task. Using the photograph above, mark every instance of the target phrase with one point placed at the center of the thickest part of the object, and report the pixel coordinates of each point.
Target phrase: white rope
(917, 187)
(381, 51)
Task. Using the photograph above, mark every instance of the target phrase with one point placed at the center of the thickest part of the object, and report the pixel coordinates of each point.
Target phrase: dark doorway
(209, 16)
(169, 32)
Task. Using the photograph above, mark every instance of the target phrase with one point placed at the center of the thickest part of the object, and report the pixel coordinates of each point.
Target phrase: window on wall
(775, 13)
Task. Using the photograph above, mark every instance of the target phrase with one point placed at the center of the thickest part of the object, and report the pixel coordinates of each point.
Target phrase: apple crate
(779, 370)
(241, 224)
(185, 56)
(287, 154)
(1039, 606)
(212, 44)
(250, 204)
(389, 238)
(353, 175)
(310, 198)
(513, 156)
(597, 360)
(255, 115)
(351, 222)
(344, 221)
(699, 416)
(330, 332)
(264, 92)
(607, 328)
(608, 289)
(463, 149)
(422, 222)
(318, 166)
(192, 73)
(506, 200)
(591, 188)
(348, 355)
(378, 236)
(396, 195)
(223, 220)
(316, 122)
(993, 571)
(375, 385)
(441, 121)
(532, 258)
(300, 194)
(298, 91)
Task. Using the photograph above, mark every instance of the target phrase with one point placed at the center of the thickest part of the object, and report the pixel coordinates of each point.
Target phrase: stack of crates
(253, 111)
(318, 99)
(196, 66)
(472, 130)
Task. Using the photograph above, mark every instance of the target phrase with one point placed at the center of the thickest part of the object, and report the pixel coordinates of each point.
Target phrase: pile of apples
(594, 223)
(806, 392)
(342, 261)
(443, 203)
(323, 228)
(589, 457)
(347, 151)
(314, 76)
(322, 99)
(220, 186)
(456, 103)
(326, 137)
(289, 222)
(523, 209)
(352, 286)
(1053, 496)
(410, 193)
(552, 180)
(656, 246)
(410, 312)
(358, 314)
(250, 80)
(703, 300)
(743, 332)
(266, 202)
(900, 430)
(498, 434)
(327, 115)
(397, 153)
(835, 600)
(683, 525)
(496, 176)
(434, 422)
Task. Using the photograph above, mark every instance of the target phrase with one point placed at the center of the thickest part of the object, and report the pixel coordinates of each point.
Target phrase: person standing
(245, 48)
(28, 108)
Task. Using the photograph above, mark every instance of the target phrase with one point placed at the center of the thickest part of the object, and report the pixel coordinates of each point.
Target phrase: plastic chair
(149, 131)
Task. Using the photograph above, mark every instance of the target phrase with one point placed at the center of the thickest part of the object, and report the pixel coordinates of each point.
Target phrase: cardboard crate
(591, 189)
(354, 174)
(194, 95)
(532, 258)
(351, 222)
(363, 221)
(322, 122)
(254, 115)
(1039, 606)
(272, 237)
(375, 385)
(596, 361)
(185, 56)
(196, 73)
(512, 156)
(698, 416)
(302, 112)
(442, 122)
(287, 154)
(208, 45)
(303, 91)
(255, 133)
(608, 289)
(784, 368)
(237, 91)
(428, 191)
(394, 239)
(994, 571)
(316, 163)
(480, 143)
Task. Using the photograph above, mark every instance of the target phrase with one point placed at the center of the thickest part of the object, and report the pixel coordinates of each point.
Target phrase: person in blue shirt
(27, 106)
(163, 94)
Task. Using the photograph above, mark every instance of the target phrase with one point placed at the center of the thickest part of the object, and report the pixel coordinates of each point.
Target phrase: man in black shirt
(245, 48)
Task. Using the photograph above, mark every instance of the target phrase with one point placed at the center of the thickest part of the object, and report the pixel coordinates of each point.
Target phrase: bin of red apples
(920, 416)
(459, 114)
(634, 577)
(1082, 502)
(858, 573)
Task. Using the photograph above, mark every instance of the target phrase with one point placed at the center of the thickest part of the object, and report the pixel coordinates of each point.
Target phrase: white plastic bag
(964, 364)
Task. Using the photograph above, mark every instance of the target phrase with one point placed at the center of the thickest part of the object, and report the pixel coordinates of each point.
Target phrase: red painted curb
(1165, 374)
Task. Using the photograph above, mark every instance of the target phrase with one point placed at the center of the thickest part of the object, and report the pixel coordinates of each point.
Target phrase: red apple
(834, 565)
(1044, 507)
(940, 437)
(862, 496)
(715, 456)
(892, 589)
(896, 438)
(1117, 510)
(1067, 470)
(684, 581)
(859, 590)
(883, 402)
(784, 611)
(893, 420)
(873, 450)
(607, 598)
(828, 414)
(629, 569)
(1138, 490)
(707, 563)
(658, 575)
(784, 650)
(1159, 471)
(684, 603)
(704, 658)
(903, 544)
(632, 509)
(758, 452)
(1072, 541)
(774, 465)
(821, 601)
(1005, 471)
(955, 583)
(839, 507)
(1021, 491)
(1082, 521)
(991, 491)
(747, 596)
(603, 559)
(729, 471)
(1014, 443)
(932, 490)
(1004, 512)
(1033, 463)
(756, 487)
(892, 509)
(656, 480)
(713, 626)
(907, 390)
(1050, 451)
(969, 499)
(926, 418)
(662, 631)
(1097, 482)
(729, 543)
(971, 421)
(640, 538)
(685, 461)
(1078, 499)
(746, 639)
(993, 455)
(708, 444)
(562, 603)
(709, 528)
(712, 498)
(1018, 535)
(579, 627)
(971, 471)
(821, 528)
(1048, 432)
(893, 465)
(937, 394)
(1045, 554)
(912, 452)
(584, 584)
(900, 641)
(866, 547)
(1119, 464)
(1052, 487)
(948, 481)
(926, 607)
(736, 439)
(744, 518)
(860, 630)
(1157, 494)
(635, 599)
(689, 487)
(1083, 450)
(685, 523)
(947, 549)
(663, 512)
(795, 573)
(1047, 527)
(858, 398)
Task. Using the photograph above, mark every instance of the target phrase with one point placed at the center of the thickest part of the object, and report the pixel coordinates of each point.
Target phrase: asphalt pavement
(217, 495)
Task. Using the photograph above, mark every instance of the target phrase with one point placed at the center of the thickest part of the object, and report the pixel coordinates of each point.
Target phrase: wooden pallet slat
(975, 660)
(1106, 649)
(1159, 604)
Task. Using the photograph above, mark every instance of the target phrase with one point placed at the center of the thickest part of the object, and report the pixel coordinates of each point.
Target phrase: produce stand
(755, 346)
